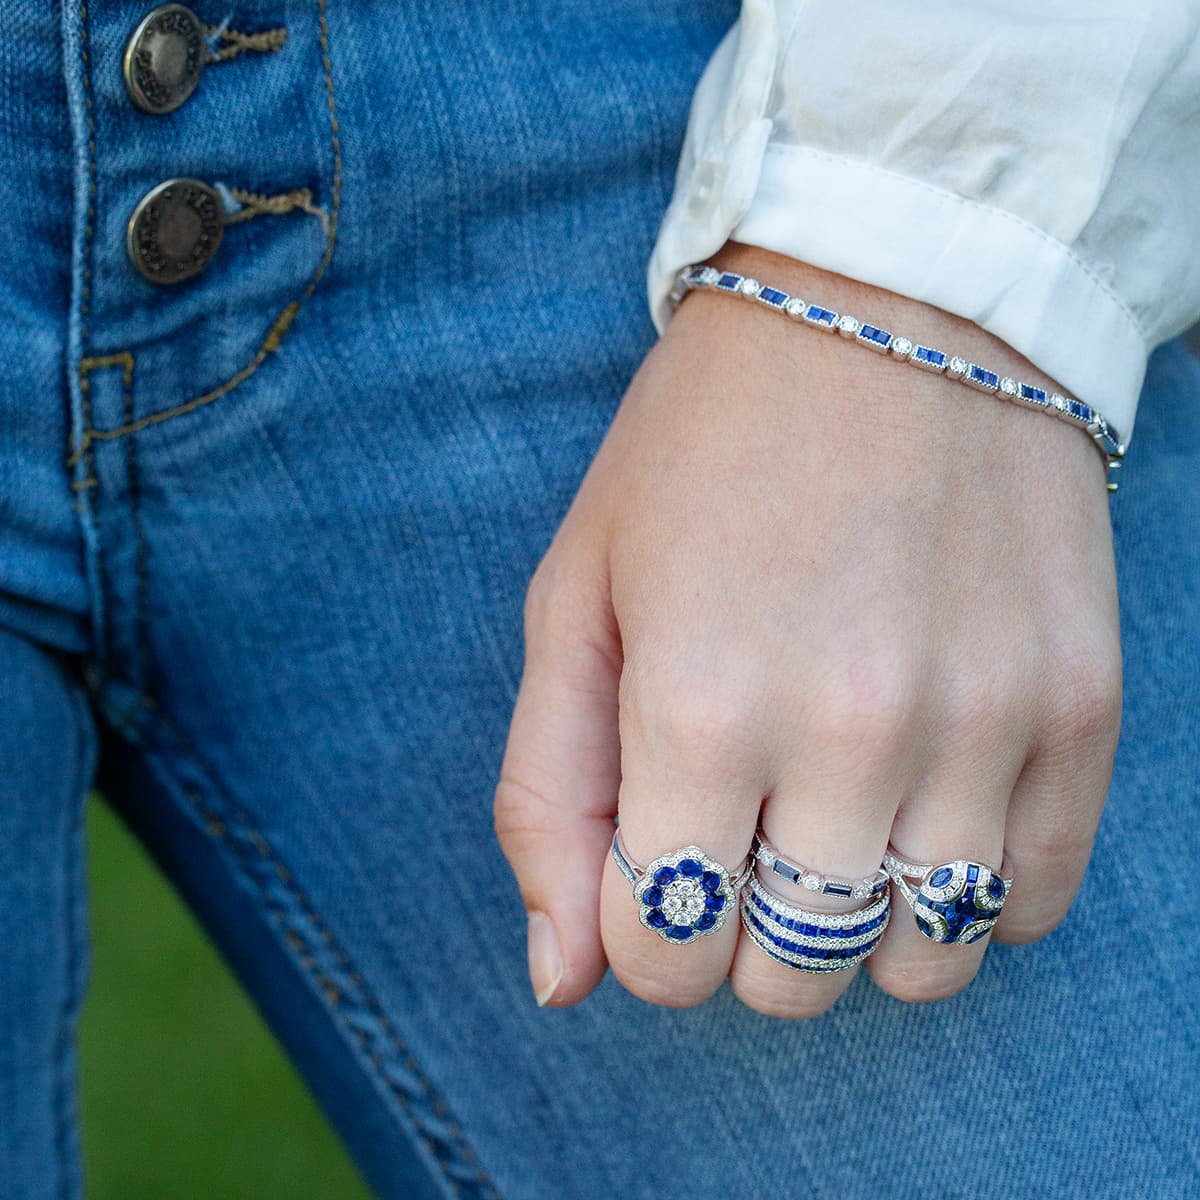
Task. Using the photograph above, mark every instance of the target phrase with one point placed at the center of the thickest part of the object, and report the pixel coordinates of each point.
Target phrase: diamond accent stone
(1058, 401)
(812, 882)
(956, 368)
(1008, 386)
(683, 901)
(795, 308)
(749, 287)
(848, 326)
(902, 347)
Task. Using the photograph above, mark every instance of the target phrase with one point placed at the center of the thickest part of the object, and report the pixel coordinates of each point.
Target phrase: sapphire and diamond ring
(813, 942)
(954, 902)
(813, 881)
(683, 895)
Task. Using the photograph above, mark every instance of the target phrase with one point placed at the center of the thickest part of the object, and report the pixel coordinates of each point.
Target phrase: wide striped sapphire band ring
(808, 940)
(683, 895)
(953, 902)
(813, 942)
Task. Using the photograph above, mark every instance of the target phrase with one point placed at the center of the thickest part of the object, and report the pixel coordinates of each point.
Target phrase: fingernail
(545, 957)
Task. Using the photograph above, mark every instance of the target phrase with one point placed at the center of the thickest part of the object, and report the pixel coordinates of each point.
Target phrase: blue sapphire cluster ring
(683, 895)
(954, 902)
(814, 942)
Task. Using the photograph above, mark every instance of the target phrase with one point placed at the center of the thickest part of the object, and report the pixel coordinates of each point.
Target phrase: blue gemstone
(781, 868)
(729, 281)
(691, 868)
(972, 873)
(820, 316)
(679, 932)
(707, 921)
(935, 358)
(996, 888)
(714, 903)
(941, 877)
(1085, 412)
(664, 875)
(879, 337)
(957, 913)
(655, 918)
(837, 889)
(773, 296)
(710, 881)
(1031, 393)
(1075, 408)
(925, 927)
(988, 378)
(652, 897)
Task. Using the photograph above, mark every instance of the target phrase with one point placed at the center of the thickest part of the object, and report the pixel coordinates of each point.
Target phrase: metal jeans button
(164, 58)
(175, 230)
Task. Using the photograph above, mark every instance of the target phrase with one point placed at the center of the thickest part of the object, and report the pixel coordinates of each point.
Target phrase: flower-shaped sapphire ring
(955, 902)
(683, 895)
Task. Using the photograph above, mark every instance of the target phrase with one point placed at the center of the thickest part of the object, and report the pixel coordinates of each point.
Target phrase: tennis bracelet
(926, 358)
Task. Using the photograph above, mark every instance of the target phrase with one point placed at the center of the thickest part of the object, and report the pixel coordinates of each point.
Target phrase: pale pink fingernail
(545, 957)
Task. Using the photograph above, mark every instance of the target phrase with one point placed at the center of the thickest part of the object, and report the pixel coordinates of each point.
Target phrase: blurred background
(185, 1095)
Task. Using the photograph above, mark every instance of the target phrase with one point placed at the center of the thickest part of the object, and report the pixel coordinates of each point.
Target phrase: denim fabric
(264, 540)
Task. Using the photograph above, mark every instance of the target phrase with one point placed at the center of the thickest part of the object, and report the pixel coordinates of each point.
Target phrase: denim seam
(340, 987)
(102, 619)
(64, 1058)
(283, 321)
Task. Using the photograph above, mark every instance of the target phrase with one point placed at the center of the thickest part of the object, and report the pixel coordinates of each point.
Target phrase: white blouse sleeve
(1032, 167)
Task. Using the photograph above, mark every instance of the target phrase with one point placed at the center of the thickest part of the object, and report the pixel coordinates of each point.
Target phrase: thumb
(557, 794)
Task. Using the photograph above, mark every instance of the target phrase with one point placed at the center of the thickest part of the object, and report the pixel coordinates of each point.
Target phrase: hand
(802, 578)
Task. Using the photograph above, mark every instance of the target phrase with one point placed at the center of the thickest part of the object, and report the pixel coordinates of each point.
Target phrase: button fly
(164, 58)
(175, 230)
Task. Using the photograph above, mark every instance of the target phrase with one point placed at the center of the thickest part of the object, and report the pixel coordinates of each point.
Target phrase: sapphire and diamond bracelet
(925, 358)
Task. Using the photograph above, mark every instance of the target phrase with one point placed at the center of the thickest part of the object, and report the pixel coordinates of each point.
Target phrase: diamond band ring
(815, 942)
(683, 895)
(813, 881)
(954, 902)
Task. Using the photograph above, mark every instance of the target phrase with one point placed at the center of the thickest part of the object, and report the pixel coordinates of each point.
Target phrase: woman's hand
(802, 578)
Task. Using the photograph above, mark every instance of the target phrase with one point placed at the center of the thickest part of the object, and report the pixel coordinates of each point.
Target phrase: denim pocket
(260, 129)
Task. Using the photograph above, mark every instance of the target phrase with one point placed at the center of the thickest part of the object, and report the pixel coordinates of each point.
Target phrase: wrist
(868, 388)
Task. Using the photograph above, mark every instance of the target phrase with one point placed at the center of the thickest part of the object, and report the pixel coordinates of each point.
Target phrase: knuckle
(917, 982)
(1085, 697)
(703, 729)
(865, 710)
(982, 696)
(547, 602)
(784, 1000)
(1050, 846)
(1020, 928)
(648, 981)
(520, 814)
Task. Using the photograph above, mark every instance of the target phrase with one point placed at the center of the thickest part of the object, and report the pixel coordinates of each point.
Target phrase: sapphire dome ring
(683, 895)
(954, 902)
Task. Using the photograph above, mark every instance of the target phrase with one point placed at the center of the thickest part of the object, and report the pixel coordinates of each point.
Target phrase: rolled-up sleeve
(1033, 168)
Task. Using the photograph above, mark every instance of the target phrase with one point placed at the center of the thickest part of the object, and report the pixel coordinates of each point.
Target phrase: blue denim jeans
(264, 540)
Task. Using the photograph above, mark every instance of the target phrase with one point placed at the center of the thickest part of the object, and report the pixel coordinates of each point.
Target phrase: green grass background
(185, 1094)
